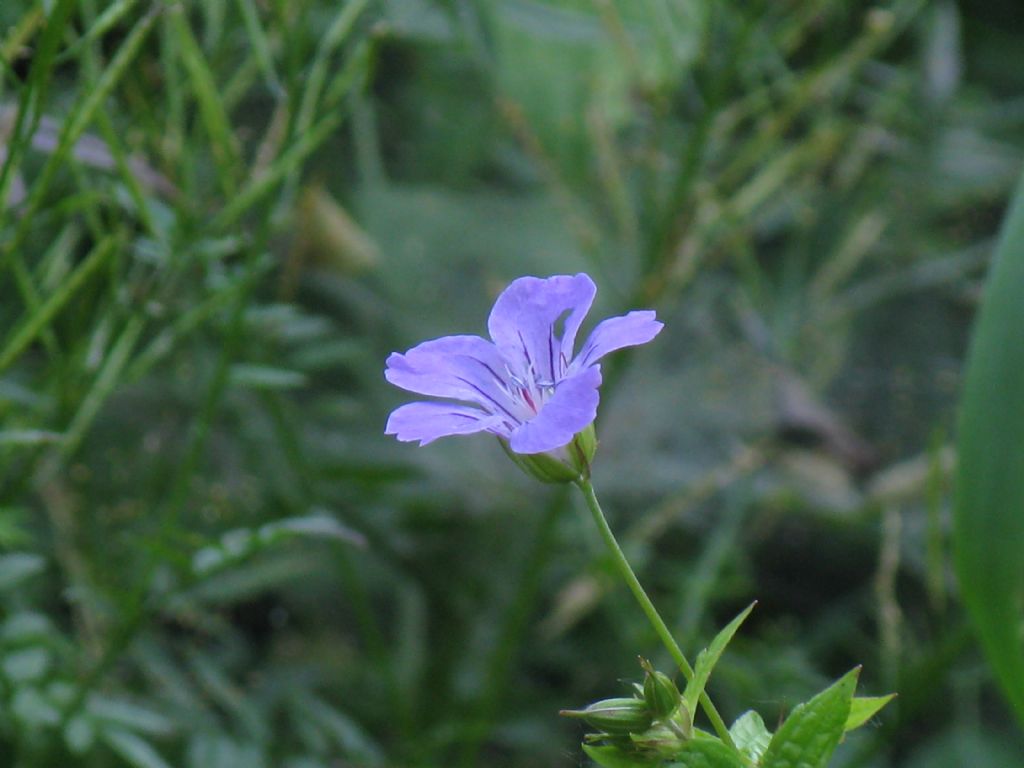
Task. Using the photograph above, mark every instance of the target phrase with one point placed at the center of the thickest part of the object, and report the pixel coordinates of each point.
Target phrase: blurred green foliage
(218, 218)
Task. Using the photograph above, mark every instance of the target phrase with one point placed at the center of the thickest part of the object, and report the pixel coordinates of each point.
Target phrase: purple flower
(526, 386)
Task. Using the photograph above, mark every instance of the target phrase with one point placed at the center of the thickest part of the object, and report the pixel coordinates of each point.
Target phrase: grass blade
(261, 47)
(39, 319)
(74, 126)
(211, 108)
(989, 517)
(103, 24)
(106, 381)
(33, 96)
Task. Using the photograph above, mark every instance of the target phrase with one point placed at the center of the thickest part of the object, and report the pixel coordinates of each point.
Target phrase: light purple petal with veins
(628, 330)
(524, 319)
(426, 422)
(570, 410)
(466, 368)
(525, 387)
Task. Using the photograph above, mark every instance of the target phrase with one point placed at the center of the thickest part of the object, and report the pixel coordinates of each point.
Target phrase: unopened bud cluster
(652, 722)
(660, 692)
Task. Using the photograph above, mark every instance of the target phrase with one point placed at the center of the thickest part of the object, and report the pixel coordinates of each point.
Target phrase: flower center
(529, 389)
(529, 392)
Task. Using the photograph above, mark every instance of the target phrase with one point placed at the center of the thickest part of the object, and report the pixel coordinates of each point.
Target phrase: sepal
(569, 464)
(615, 717)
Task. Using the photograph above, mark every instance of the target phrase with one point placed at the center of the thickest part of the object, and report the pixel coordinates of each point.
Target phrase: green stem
(626, 571)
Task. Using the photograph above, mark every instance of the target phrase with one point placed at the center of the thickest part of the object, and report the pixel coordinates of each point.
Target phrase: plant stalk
(662, 630)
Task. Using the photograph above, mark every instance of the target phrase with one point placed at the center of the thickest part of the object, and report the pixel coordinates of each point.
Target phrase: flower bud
(660, 693)
(614, 716)
(583, 447)
(658, 740)
(681, 722)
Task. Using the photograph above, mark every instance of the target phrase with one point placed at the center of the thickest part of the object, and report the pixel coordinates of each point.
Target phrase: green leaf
(355, 743)
(212, 110)
(863, 708)
(26, 664)
(74, 126)
(25, 627)
(708, 658)
(126, 714)
(750, 735)
(32, 709)
(813, 729)
(320, 524)
(30, 437)
(136, 751)
(988, 522)
(613, 757)
(243, 581)
(221, 690)
(20, 338)
(17, 567)
(34, 96)
(79, 734)
(706, 753)
(237, 544)
(216, 750)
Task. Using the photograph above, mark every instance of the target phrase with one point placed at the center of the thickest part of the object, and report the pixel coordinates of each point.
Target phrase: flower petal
(628, 330)
(428, 421)
(523, 320)
(466, 368)
(570, 410)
